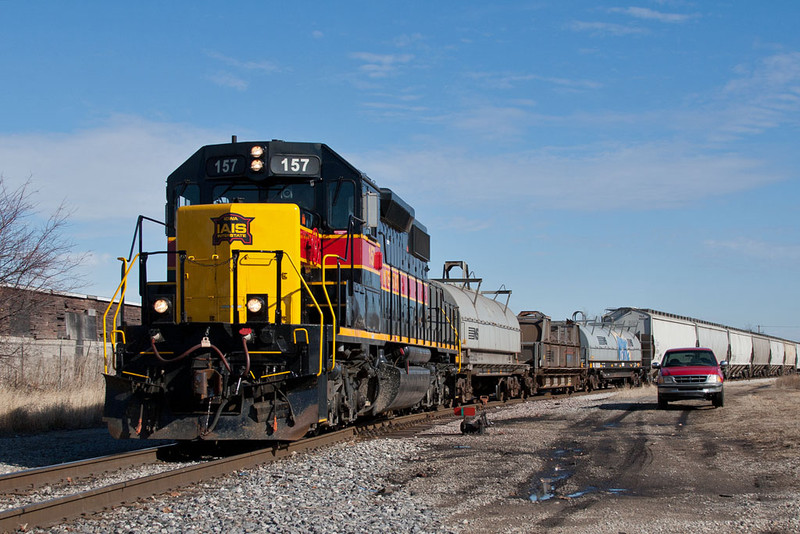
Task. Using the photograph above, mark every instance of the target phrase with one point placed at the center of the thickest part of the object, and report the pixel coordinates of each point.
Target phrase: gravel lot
(598, 463)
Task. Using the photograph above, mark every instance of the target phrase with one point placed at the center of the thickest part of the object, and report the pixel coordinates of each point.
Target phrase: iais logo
(232, 227)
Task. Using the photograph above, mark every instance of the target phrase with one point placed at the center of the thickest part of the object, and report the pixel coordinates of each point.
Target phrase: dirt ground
(616, 463)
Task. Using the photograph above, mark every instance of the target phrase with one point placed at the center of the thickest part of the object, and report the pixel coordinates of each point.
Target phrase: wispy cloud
(242, 68)
(261, 65)
(394, 109)
(506, 80)
(756, 249)
(651, 14)
(634, 177)
(606, 28)
(410, 40)
(381, 65)
(490, 122)
(226, 79)
(105, 173)
(761, 97)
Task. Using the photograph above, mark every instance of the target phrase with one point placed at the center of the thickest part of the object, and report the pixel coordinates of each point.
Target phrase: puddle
(546, 486)
(590, 489)
(561, 452)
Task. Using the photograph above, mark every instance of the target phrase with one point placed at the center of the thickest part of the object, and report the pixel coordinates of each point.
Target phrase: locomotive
(295, 298)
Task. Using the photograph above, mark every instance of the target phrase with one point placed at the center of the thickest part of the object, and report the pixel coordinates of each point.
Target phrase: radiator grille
(690, 379)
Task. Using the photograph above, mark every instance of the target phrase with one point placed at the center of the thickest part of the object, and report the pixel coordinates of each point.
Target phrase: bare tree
(35, 255)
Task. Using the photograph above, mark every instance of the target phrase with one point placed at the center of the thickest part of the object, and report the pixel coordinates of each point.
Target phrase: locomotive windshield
(300, 194)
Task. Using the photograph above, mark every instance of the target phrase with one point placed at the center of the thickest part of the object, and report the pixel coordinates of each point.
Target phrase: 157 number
(294, 164)
(225, 166)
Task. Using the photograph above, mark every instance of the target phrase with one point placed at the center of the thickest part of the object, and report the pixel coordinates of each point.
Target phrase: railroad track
(43, 514)
(60, 509)
(69, 471)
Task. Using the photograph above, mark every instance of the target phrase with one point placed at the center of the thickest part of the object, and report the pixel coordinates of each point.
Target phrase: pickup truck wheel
(662, 404)
(719, 400)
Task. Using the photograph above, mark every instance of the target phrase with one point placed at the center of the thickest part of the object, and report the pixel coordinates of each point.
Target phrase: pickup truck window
(689, 358)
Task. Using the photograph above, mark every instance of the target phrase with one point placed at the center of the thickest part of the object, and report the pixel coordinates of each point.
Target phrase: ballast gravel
(347, 487)
(339, 489)
(441, 481)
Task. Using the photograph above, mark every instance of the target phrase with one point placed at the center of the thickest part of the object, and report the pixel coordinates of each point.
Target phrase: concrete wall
(54, 339)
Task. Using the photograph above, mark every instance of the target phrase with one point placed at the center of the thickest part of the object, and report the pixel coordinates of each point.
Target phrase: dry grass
(49, 385)
(30, 410)
(788, 382)
(631, 393)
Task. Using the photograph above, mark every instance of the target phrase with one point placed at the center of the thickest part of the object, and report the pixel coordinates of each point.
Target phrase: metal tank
(490, 336)
(613, 355)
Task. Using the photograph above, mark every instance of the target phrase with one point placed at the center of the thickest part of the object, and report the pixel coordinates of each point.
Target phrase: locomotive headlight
(161, 305)
(257, 151)
(255, 305)
(257, 165)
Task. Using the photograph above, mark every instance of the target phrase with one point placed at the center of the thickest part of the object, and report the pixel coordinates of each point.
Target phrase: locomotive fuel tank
(400, 388)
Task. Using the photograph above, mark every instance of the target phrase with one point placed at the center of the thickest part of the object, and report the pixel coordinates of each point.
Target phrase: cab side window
(341, 203)
(187, 195)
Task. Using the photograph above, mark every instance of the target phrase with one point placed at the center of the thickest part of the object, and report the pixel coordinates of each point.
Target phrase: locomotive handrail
(121, 288)
(321, 317)
(458, 338)
(138, 233)
(278, 303)
(330, 304)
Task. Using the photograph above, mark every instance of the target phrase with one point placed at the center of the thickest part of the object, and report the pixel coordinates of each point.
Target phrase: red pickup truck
(691, 373)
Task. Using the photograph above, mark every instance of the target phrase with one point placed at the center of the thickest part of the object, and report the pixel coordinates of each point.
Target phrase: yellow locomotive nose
(233, 254)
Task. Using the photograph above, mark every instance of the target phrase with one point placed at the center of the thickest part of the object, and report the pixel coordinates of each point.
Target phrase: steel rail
(41, 476)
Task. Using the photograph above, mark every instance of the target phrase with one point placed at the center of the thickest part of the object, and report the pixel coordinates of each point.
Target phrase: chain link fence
(59, 364)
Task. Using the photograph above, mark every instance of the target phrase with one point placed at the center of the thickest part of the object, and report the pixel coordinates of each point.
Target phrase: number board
(226, 166)
(294, 165)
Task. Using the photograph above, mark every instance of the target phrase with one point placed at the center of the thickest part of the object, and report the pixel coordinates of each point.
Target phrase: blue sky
(583, 154)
